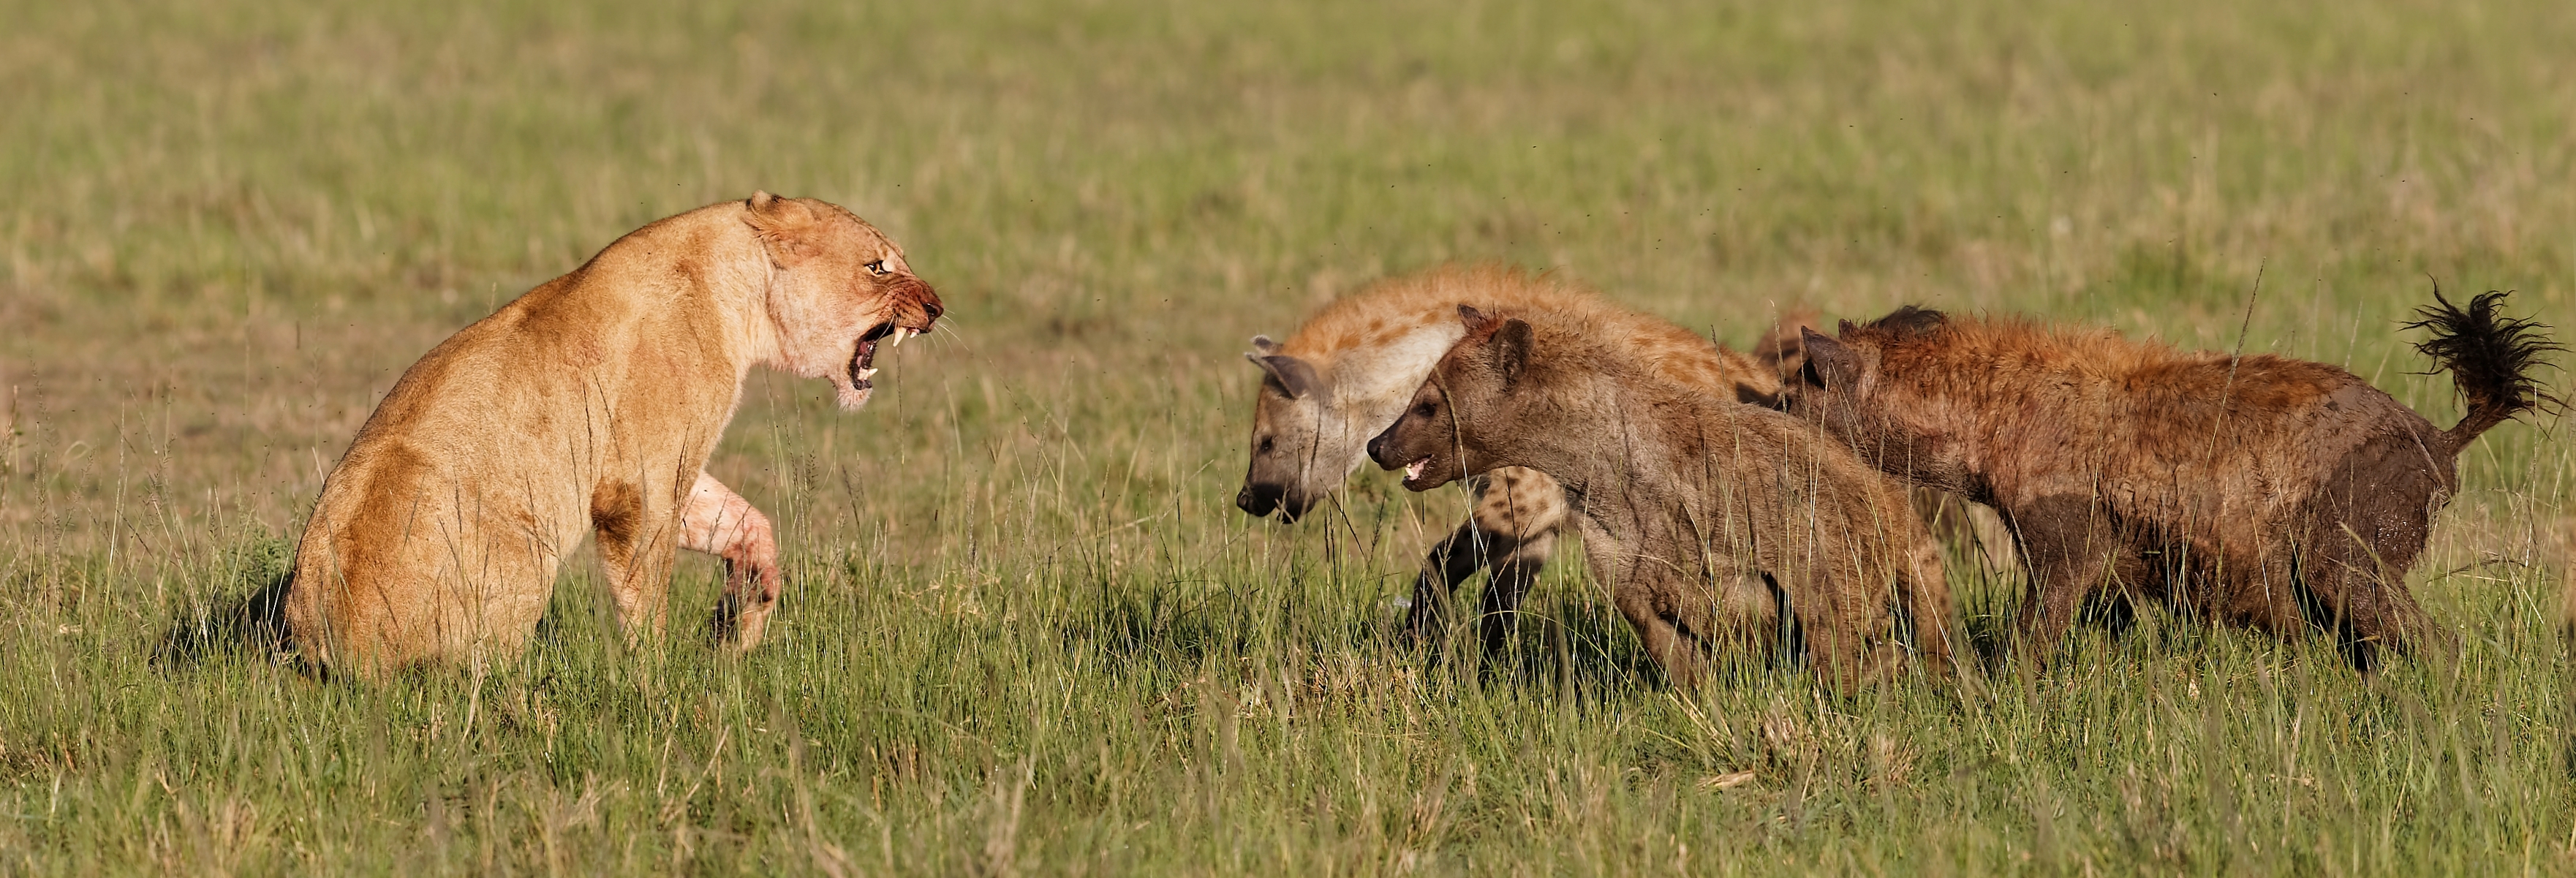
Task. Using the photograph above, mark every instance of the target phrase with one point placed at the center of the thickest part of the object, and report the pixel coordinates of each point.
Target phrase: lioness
(591, 403)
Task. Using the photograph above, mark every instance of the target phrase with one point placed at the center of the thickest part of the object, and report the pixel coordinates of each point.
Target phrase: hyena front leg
(2069, 552)
(1451, 561)
(1645, 593)
(719, 522)
(1521, 510)
(1923, 585)
(1514, 571)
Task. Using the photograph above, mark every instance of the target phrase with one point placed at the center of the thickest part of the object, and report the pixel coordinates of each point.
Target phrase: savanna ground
(1026, 632)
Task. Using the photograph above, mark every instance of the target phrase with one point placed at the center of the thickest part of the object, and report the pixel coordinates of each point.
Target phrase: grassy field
(1026, 632)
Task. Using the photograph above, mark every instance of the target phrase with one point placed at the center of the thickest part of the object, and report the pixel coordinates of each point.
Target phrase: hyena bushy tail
(2494, 360)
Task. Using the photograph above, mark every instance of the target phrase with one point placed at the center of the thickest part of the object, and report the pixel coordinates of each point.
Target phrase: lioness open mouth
(863, 361)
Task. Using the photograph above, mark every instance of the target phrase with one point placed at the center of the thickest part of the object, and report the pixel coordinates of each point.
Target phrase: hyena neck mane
(2015, 400)
(1608, 422)
(1633, 457)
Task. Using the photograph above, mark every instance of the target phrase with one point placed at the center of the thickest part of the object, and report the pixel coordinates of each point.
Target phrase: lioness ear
(1474, 319)
(1830, 363)
(1292, 374)
(781, 224)
(1263, 344)
(1511, 350)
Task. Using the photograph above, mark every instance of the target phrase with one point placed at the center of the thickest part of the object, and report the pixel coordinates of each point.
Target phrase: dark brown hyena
(1692, 494)
(2261, 490)
(1972, 530)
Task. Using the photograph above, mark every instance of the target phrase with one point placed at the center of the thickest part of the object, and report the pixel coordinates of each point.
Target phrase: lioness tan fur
(1698, 494)
(1347, 371)
(590, 404)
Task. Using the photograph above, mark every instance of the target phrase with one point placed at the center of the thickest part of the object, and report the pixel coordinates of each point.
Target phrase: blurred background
(234, 223)
(1026, 629)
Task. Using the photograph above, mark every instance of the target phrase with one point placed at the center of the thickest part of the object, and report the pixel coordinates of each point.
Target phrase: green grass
(1025, 631)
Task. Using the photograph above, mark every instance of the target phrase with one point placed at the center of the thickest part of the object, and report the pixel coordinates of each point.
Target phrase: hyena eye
(877, 267)
(1425, 410)
(1267, 444)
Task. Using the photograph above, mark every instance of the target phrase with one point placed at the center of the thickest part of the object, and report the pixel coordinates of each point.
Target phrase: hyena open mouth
(863, 361)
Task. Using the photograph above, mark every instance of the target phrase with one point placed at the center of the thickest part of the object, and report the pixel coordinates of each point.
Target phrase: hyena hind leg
(2370, 523)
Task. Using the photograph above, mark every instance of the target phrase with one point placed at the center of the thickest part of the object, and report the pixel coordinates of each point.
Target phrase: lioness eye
(877, 267)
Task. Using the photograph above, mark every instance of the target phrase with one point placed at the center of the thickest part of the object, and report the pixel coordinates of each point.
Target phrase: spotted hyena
(1699, 493)
(1349, 370)
(2260, 490)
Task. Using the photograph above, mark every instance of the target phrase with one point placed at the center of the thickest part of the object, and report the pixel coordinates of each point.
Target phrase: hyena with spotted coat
(1349, 370)
(2265, 491)
(1699, 494)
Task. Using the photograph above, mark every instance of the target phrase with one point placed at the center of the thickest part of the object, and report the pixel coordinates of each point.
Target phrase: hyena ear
(1474, 319)
(784, 225)
(1263, 344)
(1511, 350)
(1911, 320)
(1830, 363)
(1293, 376)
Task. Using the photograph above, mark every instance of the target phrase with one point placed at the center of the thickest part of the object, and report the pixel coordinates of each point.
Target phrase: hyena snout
(1258, 500)
(1378, 448)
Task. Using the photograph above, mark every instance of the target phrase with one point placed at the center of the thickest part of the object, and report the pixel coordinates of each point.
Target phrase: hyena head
(1472, 399)
(1297, 455)
(1871, 387)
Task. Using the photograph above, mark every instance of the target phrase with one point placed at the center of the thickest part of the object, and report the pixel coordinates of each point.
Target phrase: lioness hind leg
(635, 551)
(719, 522)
